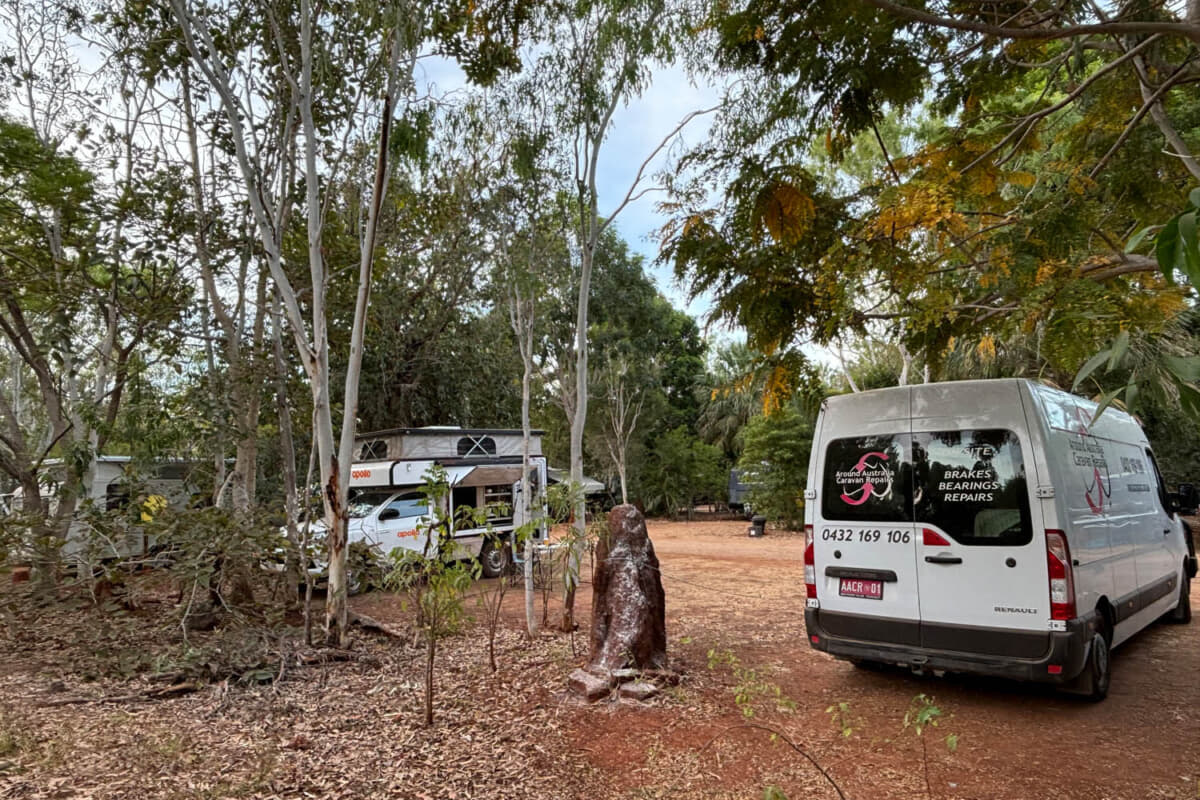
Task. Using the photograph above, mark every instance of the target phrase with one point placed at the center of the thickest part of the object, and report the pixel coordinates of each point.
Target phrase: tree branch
(1187, 30)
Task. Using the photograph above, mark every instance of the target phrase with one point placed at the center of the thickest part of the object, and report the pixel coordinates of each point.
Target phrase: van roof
(1045, 391)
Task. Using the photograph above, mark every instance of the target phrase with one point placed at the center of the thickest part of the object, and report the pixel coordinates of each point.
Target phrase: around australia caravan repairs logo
(870, 477)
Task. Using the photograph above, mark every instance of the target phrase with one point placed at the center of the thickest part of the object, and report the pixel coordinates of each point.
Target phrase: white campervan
(988, 527)
(388, 509)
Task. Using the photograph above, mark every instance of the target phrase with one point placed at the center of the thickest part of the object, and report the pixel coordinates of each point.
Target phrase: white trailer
(388, 510)
(115, 486)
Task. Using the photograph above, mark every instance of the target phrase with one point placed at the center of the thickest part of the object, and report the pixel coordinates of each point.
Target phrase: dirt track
(728, 592)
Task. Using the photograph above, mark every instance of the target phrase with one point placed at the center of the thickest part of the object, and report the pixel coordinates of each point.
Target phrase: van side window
(971, 484)
(867, 478)
(1160, 487)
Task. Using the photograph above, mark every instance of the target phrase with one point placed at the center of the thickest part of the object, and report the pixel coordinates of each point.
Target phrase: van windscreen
(971, 484)
(867, 479)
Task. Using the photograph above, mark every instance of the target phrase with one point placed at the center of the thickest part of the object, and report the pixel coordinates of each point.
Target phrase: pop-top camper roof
(470, 456)
(443, 443)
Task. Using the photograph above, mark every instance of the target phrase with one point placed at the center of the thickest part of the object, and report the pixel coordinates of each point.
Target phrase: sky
(637, 129)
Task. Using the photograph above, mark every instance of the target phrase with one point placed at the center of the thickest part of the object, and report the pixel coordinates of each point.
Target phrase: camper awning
(384, 474)
(590, 485)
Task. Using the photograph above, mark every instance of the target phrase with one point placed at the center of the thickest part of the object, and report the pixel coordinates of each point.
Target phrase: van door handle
(943, 559)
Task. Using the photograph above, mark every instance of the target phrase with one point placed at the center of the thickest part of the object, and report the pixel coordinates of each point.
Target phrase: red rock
(638, 690)
(588, 686)
(628, 607)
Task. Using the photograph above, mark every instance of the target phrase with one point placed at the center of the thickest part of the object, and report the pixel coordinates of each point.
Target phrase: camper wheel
(494, 558)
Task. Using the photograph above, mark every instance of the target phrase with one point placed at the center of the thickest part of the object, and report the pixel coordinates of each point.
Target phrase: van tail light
(810, 567)
(933, 538)
(1062, 581)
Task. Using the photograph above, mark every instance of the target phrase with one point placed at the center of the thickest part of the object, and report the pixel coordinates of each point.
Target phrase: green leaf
(1106, 401)
(1132, 390)
(1136, 240)
(952, 742)
(1189, 244)
(1189, 399)
(1185, 368)
(1119, 349)
(1194, 197)
(1166, 249)
(1092, 364)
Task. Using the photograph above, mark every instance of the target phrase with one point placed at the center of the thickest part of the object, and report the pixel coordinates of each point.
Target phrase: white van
(988, 527)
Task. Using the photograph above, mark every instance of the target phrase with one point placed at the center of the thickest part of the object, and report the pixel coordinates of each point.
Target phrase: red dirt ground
(728, 592)
(751, 708)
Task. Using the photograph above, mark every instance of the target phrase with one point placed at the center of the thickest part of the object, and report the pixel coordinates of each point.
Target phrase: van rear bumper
(1065, 649)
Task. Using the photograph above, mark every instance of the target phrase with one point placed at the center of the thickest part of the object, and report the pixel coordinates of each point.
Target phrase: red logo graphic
(1102, 492)
(866, 475)
(360, 473)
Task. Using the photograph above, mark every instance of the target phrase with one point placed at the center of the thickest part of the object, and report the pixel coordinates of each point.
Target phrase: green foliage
(1177, 246)
(435, 580)
(1172, 433)
(681, 470)
(752, 689)
(774, 463)
(987, 184)
(211, 552)
(839, 715)
(922, 714)
(1157, 370)
(734, 397)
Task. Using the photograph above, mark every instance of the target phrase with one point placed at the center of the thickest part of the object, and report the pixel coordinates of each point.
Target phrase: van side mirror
(1174, 503)
(389, 513)
(1189, 498)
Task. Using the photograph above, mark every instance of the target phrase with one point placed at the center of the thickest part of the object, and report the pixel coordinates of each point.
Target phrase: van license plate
(855, 587)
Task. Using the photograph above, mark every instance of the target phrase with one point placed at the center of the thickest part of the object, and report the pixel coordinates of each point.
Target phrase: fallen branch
(326, 656)
(185, 687)
(372, 624)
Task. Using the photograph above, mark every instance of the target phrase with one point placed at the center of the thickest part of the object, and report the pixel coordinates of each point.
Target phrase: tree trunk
(287, 450)
(526, 344)
(578, 423)
(431, 651)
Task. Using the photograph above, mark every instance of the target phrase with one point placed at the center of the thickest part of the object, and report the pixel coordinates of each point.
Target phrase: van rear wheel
(1182, 613)
(1094, 681)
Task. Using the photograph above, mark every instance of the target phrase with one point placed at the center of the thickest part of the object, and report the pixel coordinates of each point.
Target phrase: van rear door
(982, 556)
(863, 533)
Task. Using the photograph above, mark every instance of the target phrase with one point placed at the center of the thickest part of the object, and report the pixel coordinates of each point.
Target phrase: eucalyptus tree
(529, 252)
(598, 57)
(296, 87)
(89, 271)
(440, 351)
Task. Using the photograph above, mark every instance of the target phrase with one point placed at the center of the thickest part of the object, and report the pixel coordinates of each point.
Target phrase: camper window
(375, 450)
